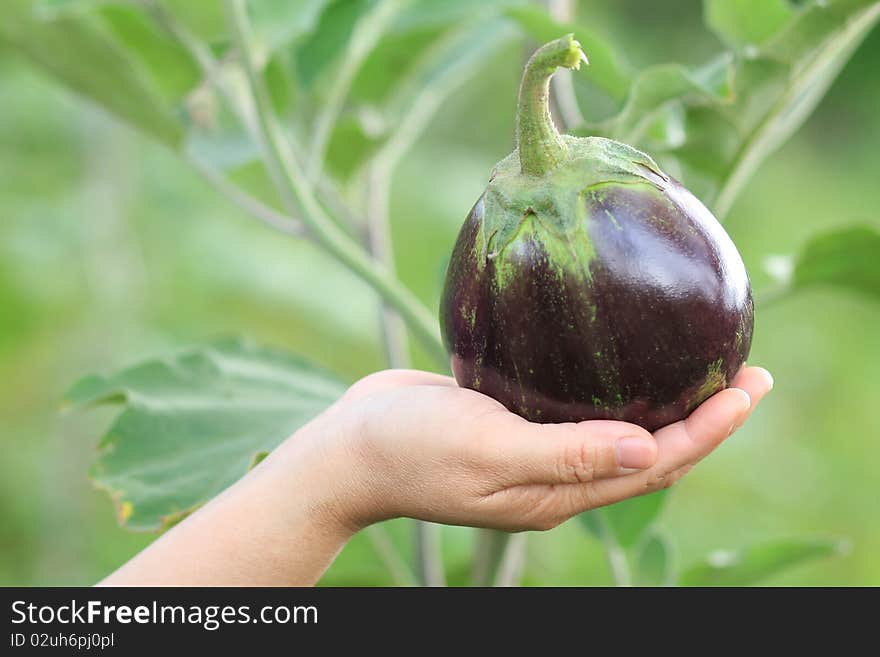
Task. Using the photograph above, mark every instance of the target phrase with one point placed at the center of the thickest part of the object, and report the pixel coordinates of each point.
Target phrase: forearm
(280, 525)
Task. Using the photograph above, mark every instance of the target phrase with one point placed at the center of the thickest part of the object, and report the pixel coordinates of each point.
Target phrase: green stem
(538, 141)
(617, 561)
(512, 561)
(299, 199)
(245, 201)
(397, 567)
(201, 54)
(429, 555)
(366, 35)
(787, 113)
(489, 556)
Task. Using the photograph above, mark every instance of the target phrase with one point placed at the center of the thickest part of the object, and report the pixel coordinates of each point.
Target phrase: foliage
(292, 109)
(195, 422)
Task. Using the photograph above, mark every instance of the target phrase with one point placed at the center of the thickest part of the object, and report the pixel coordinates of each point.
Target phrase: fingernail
(746, 398)
(743, 414)
(635, 452)
(769, 378)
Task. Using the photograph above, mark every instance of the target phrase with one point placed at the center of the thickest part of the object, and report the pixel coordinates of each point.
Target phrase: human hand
(417, 445)
(408, 443)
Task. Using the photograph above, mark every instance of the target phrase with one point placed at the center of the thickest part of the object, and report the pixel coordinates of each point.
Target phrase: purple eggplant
(588, 284)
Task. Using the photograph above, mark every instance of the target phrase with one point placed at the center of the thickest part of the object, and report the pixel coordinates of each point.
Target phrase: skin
(414, 444)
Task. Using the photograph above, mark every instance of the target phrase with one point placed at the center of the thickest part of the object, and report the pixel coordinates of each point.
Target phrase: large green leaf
(751, 565)
(625, 522)
(78, 50)
(847, 258)
(193, 423)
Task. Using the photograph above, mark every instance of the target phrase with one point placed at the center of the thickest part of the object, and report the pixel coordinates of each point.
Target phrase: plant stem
(617, 561)
(246, 202)
(397, 567)
(429, 560)
(512, 561)
(777, 124)
(301, 201)
(488, 555)
(538, 142)
(379, 241)
(367, 32)
(197, 50)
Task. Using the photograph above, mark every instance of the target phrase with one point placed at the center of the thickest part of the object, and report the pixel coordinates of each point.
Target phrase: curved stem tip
(539, 143)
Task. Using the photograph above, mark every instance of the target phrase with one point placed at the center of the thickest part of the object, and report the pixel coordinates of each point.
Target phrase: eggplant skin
(638, 310)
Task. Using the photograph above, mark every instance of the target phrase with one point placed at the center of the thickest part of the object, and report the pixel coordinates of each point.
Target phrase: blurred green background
(111, 250)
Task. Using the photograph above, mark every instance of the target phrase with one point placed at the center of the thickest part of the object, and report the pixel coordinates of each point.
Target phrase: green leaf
(423, 14)
(437, 72)
(742, 23)
(326, 42)
(713, 126)
(652, 93)
(279, 22)
(606, 69)
(627, 521)
(79, 51)
(655, 562)
(205, 20)
(52, 8)
(753, 564)
(193, 423)
(170, 67)
(813, 47)
(848, 258)
(417, 29)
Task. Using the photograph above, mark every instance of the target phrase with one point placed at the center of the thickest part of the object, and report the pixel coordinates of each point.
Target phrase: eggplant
(588, 284)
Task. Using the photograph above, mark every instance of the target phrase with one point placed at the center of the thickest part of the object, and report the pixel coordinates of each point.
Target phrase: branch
(246, 202)
(299, 199)
(198, 51)
(379, 241)
(367, 33)
(400, 572)
(488, 556)
(513, 561)
(378, 190)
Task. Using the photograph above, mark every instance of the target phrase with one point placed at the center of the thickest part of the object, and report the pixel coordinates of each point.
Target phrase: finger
(569, 453)
(390, 379)
(680, 444)
(693, 438)
(756, 381)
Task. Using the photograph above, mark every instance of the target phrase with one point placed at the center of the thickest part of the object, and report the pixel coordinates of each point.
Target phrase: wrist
(314, 475)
